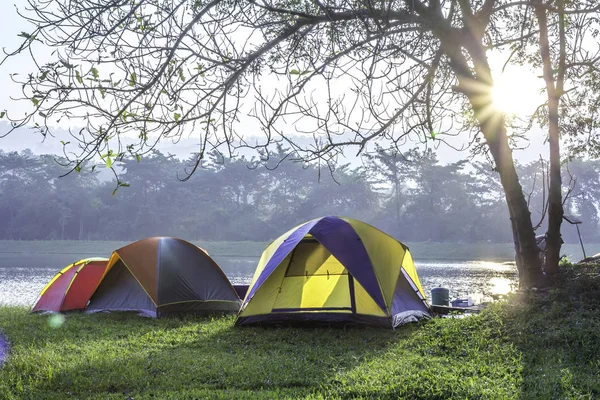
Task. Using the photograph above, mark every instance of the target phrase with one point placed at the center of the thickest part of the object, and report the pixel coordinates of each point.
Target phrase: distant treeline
(410, 196)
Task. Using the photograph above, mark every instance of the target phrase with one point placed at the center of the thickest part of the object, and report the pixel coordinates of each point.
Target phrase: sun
(516, 92)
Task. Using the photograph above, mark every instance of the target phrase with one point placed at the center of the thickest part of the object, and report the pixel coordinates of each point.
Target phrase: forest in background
(410, 196)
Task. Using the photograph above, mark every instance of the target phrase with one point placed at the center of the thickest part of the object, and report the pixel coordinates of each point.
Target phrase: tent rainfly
(335, 269)
(72, 287)
(161, 276)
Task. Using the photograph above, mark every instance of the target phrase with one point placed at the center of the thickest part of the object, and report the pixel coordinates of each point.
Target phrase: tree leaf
(119, 184)
(176, 116)
(433, 134)
(109, 162)
(132, 79)
(78, 76)
(95, 72)
(35, 102)
(2, 114)
(294, 72)
(78, 168)
(138, 157)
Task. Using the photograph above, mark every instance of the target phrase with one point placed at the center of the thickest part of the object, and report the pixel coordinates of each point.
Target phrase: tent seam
(413, 286)
(138, 281)
(199, 301)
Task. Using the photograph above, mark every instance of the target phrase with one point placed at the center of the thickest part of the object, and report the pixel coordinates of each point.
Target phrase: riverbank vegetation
(535, 345)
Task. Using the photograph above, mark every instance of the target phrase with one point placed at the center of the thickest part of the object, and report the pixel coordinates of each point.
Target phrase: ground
(537, 345)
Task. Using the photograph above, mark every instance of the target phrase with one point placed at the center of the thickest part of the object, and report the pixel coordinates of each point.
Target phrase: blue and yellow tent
(335, 269)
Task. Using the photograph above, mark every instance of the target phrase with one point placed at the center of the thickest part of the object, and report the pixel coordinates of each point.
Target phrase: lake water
(23, 276)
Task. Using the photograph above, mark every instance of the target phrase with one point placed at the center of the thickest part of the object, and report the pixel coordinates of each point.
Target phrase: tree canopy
(229, 200)
(342, 72)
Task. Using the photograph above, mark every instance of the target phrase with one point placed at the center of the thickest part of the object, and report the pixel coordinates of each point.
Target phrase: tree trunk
(518, 258)
(475, 81)
(555, 208)
(493, 126)
(526, 250)
(554, 91)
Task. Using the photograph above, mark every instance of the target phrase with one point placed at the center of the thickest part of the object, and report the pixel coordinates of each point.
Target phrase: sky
(11, 25)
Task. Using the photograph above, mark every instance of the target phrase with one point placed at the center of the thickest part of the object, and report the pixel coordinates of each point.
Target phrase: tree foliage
(344, 72)
(234, 199)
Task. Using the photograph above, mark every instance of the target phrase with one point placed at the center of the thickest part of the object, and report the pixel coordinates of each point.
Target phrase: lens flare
(500, 286)
(56, 320)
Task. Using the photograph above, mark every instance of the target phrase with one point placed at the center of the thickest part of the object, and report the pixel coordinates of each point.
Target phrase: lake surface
(23, 276)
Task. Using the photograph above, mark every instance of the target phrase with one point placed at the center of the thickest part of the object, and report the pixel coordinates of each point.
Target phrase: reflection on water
(478, 279)
(21, 286)
(501, 286)
(481, 280)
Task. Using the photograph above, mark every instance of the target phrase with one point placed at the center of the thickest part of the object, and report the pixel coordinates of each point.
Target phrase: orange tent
(160, 276)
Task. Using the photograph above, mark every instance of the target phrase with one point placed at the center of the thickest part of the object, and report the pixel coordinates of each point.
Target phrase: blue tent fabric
(286, 248)
(343, 242)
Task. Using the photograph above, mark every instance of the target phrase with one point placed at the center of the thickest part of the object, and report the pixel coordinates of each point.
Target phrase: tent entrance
(120, 291)
(314, 280)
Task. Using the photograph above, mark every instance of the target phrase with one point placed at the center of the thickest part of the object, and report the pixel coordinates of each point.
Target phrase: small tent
(335, 269)
(72, 287)
(160, 276)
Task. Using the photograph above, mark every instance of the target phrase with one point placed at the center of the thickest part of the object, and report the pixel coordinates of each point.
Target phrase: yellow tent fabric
(334, 269)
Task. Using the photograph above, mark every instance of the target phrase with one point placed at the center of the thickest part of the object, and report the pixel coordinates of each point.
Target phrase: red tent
(72, 287)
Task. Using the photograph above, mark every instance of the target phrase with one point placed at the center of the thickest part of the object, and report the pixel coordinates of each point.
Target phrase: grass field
(536, 346)
(420, 251)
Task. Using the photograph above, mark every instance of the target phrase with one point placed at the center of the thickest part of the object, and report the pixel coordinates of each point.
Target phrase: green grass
(538, 346)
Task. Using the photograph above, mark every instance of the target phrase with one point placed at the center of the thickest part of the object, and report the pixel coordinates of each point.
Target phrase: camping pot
(440, 296)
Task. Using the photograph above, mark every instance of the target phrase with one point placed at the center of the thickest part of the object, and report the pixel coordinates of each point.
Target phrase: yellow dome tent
(335, 269)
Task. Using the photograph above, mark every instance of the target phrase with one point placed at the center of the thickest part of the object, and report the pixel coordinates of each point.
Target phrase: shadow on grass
(120, 354)
(545, 347)
(558, 335)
